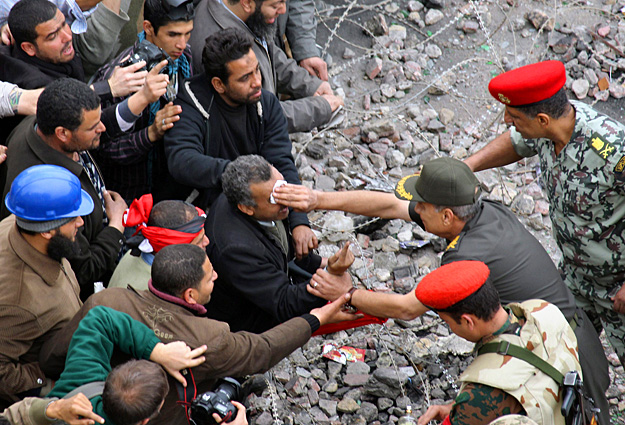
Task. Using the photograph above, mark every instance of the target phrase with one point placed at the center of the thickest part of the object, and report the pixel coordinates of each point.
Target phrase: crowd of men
(211, 270)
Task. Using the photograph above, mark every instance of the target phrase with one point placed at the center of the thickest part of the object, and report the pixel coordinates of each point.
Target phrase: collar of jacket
(196, 308)
(44, 266)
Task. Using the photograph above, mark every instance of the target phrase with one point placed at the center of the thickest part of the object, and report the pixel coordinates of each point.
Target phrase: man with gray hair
(251, 249)
(444, 199)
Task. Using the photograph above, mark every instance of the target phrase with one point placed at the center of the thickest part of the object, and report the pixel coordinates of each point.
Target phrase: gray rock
(330, 387)
(377, 25)
(436, 126)
(390, 244)
(394, 158)
(368, 410)
(347, 405)
(334, 369)
(415, 6)
(355, 380)
(339, 162)
(348, 53)
(580, 88)
(523, 204)
(313, 397)
(433, 51)
(397, 32)
(617, 91)
(389, 376)
(383, 127)
(316, 150)
(296, 386)
(470, 27)
(540, 19)
(446, 116)
(405, 147)
(265, 418)
(358, 368)
(304, 373)
(382, 275)
(433, 16)
(373, 68)
(318, 416)
(591, 76)
(307, 173)
(379, 389)
(387, 90)
(324, 182)
(328, 406)
(377, 161)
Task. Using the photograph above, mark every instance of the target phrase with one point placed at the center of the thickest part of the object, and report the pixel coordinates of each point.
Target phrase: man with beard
(226, 114)
(38, 289)
(66, 126)
(312, 101)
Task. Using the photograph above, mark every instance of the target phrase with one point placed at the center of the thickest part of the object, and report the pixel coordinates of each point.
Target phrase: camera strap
(582, 408)
(186, 394)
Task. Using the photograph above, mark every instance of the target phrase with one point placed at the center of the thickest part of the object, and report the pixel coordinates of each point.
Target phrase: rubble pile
(414, 78)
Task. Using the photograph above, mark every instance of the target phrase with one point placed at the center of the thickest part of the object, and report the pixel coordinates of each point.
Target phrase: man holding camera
(130, 161)
(173, 307)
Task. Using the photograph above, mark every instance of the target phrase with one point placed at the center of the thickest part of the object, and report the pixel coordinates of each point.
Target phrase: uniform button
(39, 381)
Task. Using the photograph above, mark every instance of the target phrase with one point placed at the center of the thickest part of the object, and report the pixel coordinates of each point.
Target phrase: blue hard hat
(46, 193)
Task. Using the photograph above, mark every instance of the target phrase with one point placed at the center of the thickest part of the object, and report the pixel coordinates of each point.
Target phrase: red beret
(451, 283)
(528, 84)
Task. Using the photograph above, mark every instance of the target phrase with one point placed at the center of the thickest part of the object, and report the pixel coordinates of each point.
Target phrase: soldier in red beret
(464, 297)
(582, 158)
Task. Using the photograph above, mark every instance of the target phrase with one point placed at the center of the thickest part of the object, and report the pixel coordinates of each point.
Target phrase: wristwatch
(348, 307)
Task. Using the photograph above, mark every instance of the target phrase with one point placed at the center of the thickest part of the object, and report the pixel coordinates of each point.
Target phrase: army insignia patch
(401, 191)
(453, 244)
(601, 147)
(503, 99)
(620, 165)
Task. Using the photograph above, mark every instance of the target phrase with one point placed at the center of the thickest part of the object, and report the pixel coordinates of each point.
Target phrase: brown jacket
(229, 354)
(38, 295)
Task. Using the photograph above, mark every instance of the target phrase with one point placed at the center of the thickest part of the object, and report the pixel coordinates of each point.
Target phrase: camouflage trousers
(595, 301)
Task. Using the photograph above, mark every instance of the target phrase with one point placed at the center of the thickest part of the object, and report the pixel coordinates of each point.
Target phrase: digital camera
(204, 405)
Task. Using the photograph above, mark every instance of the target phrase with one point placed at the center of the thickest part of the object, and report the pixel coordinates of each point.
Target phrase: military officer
(445, 200)
(582, 157)
(464, 297)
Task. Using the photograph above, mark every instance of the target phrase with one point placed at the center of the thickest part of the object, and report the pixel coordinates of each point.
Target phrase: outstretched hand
(333, 312)
(328, 286)
(76, 410)
(341, 260)
(177, 356)
(298, 197)
(436, 412)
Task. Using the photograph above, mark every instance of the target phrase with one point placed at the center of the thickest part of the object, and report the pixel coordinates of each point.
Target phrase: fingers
(240, 419)
(178, 377)
(157, 69)
(132, 68)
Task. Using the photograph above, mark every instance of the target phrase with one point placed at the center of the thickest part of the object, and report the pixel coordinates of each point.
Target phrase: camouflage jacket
(541, 328)
(585, 184)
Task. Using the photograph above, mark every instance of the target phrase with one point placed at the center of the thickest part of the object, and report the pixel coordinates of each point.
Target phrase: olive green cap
(442, 181)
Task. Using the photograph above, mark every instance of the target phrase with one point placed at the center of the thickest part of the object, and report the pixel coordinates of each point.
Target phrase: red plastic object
(349, 324)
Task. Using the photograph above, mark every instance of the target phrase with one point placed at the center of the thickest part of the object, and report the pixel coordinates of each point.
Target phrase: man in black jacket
(251, 248)
(67, 125)
(225, 114)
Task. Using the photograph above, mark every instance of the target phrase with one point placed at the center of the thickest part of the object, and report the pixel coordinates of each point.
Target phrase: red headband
(138, 215)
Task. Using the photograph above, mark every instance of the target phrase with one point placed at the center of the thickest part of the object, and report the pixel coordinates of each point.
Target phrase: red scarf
(138, 215)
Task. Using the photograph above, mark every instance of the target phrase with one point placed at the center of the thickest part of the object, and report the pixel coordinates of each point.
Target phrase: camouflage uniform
(513, 420)
(541, 328)
(585, 185)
